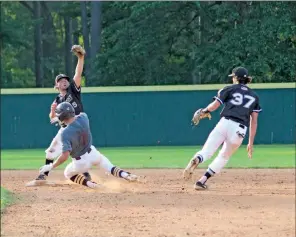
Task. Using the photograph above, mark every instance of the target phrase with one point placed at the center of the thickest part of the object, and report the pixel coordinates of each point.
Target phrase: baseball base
(35, 183)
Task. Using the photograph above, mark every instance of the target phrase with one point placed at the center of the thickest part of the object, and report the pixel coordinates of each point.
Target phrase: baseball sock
(208, 174)
(80, 179)
(199, 158)
(117, 172)
(47, 162)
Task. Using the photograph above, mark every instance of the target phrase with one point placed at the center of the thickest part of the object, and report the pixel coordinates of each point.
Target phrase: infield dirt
(239, 202)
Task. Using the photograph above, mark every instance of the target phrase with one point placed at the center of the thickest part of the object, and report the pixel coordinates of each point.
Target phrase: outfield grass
(145, 88)
(265, 156)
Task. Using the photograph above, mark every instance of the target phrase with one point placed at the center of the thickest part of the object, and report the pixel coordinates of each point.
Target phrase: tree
(68, 45)
(96, 12)
(147, 43)
(17, 70)
(85, 32)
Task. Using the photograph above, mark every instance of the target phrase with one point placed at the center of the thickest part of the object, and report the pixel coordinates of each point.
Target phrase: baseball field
(249, 198)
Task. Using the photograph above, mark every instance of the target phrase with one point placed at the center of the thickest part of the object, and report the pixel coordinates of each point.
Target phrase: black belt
(79, 157)
(240, 125)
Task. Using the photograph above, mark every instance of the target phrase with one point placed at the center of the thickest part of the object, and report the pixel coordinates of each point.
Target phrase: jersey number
(84, 138)
(238, 99)
(74, 104)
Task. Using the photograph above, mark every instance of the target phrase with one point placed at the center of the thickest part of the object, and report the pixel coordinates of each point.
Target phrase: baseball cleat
(132, 178)
(41, 177)
(94, 185)
(36, 182)
(39, 181)
(87, 176)
(187, 173)
(198, 186)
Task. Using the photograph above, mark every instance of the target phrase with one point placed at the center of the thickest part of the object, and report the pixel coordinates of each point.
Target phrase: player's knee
(223, 155)
(50, 155)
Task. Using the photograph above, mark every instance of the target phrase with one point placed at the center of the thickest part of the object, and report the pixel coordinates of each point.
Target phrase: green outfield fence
(141, 116)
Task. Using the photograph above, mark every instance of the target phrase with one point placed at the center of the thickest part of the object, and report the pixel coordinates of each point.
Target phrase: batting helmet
(65, 111)
(242, 75)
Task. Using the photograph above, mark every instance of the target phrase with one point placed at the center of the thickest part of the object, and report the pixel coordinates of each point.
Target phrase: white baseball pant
(226, 132)
(86, 161)
(56, 147)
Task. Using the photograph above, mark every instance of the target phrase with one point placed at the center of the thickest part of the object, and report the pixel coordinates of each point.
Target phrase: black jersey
(73, 97)
(240, 101)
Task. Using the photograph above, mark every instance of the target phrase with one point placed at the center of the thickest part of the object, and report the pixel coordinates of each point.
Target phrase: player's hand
(78, 51)
(198, 115)
(53, 106)
(45, 168)
(250, 150)
(55, 121)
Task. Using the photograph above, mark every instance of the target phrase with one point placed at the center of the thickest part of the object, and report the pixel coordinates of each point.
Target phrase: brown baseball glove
(78, 50)
(198, 115)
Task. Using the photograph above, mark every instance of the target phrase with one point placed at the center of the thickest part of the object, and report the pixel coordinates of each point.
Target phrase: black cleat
(87, 176)
(198, 186)
(41, 177)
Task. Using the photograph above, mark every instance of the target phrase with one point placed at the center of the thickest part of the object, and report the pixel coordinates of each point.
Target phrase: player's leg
(53, 151)
(74, 172)
(230, 146)
(99, 159)
(215, 139)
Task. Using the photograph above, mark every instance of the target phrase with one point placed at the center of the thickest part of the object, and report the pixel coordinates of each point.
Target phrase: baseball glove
(78, 50)
(198, 115)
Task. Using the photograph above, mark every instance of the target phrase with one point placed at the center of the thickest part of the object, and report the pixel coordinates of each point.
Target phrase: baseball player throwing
(69, 91)
(241, 108)
(76, 141)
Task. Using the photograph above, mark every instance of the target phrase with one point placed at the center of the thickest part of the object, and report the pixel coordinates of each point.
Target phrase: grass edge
(7, 199)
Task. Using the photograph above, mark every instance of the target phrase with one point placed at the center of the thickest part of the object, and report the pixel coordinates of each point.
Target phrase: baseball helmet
(60, 77)
(242, 74)
(65, 111)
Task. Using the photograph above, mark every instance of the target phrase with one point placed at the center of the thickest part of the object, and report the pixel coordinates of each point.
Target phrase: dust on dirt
(242, 202)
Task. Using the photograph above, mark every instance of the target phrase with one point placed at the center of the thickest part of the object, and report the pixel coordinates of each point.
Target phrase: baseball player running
(241, 108)
(69, 91)
(76, 141)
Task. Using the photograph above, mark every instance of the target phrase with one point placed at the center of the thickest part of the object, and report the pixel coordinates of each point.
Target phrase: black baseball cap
(239, 72)
(60, 77)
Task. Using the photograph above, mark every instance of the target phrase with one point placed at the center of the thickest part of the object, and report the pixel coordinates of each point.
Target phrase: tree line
(147, 43)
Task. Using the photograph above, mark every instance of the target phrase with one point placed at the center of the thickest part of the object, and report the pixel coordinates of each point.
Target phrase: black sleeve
(222, 94)
(74, 89)
(257, 108)
(56, 100)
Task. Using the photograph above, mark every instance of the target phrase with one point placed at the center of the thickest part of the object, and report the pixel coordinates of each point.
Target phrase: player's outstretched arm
(252, 133)
(79, 52)
(205, 113)
(212, 106)
(60, 160)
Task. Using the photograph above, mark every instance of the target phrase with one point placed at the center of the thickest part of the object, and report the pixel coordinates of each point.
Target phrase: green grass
(265, 156)
(145, 88)
(6, 198)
